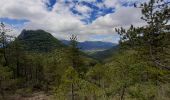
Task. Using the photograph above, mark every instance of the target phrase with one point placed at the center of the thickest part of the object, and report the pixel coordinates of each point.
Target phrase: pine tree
(150, 38)
(151, 42)
(5, 72)
(75, 57)
(4, 39)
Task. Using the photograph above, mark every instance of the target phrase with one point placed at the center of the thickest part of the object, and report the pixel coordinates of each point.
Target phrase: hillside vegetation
(39, 41)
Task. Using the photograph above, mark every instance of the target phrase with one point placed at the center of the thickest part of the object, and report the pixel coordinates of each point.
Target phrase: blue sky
(92, 20)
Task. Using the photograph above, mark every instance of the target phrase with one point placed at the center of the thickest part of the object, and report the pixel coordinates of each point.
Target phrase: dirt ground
(35, 96)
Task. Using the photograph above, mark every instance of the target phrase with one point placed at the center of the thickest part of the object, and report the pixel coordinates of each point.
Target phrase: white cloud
(124, 16)
(90, 1)
(27, 9)
(118, 3)
(82, 8)
(112, 3)
(61, 21)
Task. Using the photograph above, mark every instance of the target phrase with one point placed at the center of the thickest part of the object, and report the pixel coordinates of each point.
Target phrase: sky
(90, 20)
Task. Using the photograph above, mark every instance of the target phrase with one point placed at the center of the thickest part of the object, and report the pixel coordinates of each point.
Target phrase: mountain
(90, 46)
(42, 41)
(39, 41)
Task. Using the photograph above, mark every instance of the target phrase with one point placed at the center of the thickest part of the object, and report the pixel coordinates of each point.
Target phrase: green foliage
(151, 40)
(151, 43)
(74, 54)
(102, 55)
(72, 83)
(146, 91)
(137, 71)
(5, 80)
(54, 65)
(125, 71)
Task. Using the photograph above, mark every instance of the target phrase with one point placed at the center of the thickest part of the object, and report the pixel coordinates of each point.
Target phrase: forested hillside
(106, 54)
(37, 66)
(39, 41)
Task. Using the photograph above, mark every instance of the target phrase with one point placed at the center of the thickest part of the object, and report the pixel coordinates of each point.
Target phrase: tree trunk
(5, 57)
(2, 92)
(18, 68)
(72, 91)
(123, 92)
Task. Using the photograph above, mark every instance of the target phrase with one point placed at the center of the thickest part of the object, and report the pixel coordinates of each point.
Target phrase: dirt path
(35, 96)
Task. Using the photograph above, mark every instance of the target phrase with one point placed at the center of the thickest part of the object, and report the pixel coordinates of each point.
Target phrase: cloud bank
(66, 17)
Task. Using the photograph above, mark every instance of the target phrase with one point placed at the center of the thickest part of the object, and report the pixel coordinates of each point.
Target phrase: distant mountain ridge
(92, 45)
